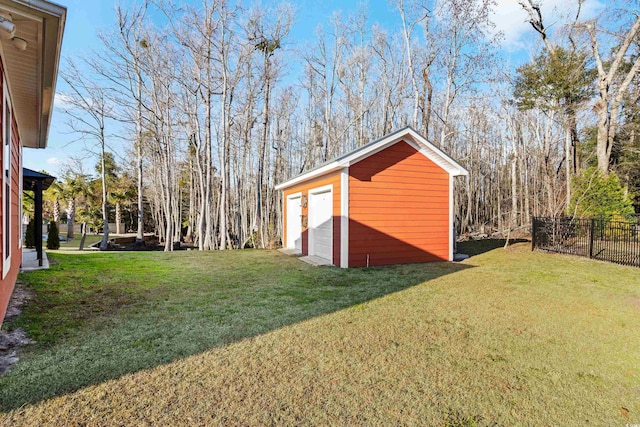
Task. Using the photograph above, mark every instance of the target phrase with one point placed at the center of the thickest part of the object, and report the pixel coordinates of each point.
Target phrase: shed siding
(304, 187)
(7, 284)
(398, 209)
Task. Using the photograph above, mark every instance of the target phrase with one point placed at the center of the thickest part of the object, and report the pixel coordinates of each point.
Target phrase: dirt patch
(19, 298)
(12, 341)
(635, 302)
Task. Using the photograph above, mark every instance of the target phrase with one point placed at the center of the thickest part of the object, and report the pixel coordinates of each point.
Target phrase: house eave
(32, 74)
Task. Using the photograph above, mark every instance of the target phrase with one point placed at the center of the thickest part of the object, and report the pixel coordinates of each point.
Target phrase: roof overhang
(30, 179)
(407, 134)
(32, 73)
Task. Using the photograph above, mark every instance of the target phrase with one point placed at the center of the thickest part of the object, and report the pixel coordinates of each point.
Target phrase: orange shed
(387, 202)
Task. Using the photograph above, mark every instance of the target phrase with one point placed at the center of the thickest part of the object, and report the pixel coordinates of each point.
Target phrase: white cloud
(53, 161)
(61, 100)
(512, 20)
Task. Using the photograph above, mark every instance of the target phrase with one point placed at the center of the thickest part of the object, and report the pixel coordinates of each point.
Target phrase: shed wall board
(399, 208)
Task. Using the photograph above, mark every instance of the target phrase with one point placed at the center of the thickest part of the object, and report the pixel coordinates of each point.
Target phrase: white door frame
(292, 197)
(312, 192)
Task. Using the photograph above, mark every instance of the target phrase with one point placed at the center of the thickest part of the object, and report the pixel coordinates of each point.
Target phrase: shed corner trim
(344, 218)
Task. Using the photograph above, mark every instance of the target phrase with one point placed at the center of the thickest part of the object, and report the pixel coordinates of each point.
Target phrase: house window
(6, 182)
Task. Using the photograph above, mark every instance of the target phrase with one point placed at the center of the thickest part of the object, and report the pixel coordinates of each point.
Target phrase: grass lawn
(509, 337)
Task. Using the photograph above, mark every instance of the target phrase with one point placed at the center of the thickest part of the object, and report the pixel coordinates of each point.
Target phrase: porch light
(7, 28)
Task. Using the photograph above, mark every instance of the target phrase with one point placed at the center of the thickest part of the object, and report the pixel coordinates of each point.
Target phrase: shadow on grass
(477, 247)
(100, 316)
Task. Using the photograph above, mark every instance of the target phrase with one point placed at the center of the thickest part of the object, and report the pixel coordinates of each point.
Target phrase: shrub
(599, 196)
(53, 238)
(30, 234)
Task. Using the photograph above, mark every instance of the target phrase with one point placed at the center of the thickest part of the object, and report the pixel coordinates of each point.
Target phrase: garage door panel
(323, 239)
(321, 224)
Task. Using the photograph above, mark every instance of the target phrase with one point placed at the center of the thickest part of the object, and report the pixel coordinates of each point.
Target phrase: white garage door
(294, 222)
(321, 224)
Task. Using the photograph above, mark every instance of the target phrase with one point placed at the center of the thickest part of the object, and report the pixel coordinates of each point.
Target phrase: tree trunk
(568, 164)
(223, 226)
(514, 193)
(610, 97)
(56, 212)
(407, 40)
(84, 235)
(139, 170)
(118, 218)
(262, 154)
(602, 139)
(71, 215)
(105, 212)
(426, 113)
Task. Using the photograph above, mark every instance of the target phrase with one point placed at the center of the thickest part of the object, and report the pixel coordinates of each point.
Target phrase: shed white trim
(291, 227)
(451, 219)
(344, 218)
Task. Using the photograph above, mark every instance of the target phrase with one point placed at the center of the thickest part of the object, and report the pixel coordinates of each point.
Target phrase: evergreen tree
(554, 81)
(53, 239)
(600, 196)
(558, 80)
(29, 237)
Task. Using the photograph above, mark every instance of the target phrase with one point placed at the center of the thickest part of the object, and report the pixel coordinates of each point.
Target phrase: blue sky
(86, 17)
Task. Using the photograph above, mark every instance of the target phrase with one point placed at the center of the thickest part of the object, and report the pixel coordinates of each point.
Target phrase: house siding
(398, 209)
(7, 284)
(333, 179)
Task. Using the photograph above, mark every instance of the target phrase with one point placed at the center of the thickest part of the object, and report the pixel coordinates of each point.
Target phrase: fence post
(533, 233)
(591, 231)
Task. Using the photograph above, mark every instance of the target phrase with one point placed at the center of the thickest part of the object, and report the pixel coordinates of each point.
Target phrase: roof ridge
(442, 159)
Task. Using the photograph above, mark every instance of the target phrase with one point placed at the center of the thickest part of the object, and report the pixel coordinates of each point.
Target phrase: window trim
(7, 128)
(20, 195)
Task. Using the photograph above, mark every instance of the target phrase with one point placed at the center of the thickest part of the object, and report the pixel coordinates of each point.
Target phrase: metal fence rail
(613, 241)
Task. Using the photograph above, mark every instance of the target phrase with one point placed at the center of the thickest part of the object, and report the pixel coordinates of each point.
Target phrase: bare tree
(123, 53)
(88, 112)
(407, 31)
(612, 86)
(201, 97)
(267, 37)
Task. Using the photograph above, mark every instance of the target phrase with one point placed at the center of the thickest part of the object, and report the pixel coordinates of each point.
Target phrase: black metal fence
(606, 240)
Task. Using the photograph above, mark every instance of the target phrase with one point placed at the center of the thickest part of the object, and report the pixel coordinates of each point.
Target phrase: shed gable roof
(407, 134)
